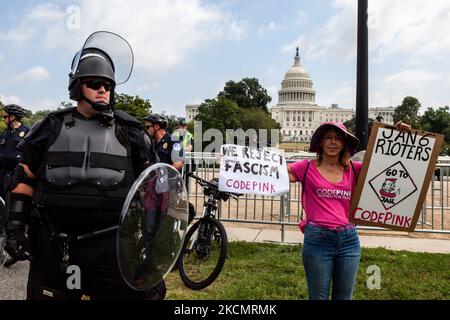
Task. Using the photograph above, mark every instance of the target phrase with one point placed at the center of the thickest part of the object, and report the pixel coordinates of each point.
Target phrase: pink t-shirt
(326, 203)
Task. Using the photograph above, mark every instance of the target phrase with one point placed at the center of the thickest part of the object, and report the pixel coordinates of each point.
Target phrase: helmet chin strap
(104, 108)
(98, 106)
(11, 123)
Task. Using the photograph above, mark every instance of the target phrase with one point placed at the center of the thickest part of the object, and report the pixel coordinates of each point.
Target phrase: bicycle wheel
(203, 254)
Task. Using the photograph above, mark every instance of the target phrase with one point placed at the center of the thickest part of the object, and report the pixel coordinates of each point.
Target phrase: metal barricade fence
(286, 210)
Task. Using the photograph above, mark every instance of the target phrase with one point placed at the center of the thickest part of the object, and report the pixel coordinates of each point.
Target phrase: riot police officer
(9, 139)
(77, 167)
(168, 148)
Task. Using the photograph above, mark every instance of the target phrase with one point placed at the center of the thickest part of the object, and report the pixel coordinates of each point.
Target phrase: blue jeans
(330, 256)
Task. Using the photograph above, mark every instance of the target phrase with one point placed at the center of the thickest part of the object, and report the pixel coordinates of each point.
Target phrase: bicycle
(205, 246)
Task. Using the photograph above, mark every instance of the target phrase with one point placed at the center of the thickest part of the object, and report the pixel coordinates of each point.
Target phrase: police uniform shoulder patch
(176, 147)
(22, 134)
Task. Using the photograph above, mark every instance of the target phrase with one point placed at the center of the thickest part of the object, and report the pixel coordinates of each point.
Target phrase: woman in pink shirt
(331, 249)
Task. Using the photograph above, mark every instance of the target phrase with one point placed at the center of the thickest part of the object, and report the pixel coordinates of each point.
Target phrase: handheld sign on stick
(396, 173)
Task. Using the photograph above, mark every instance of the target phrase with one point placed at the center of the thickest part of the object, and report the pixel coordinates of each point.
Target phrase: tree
(31, 118)
(134, 105)
(351, 125)
(247, 93)
(211, 114)
(408, 111)
(241, 105)
(438, 121)
(35, 117)
(220, 114)
(257, 119)
(173, 123)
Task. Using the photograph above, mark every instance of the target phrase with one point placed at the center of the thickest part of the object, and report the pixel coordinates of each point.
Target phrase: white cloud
(9, 99)
(34, 74)
(421, 30)
(47, 18)
(301, 18)
(162, 33)
(47, 104)
(344, 95)
(413, 79)
(422, 84)
(238, 30)
(272, 91)
(407, 40)
(337, 37)
(149, 86)
(269, 28)
(417, 28)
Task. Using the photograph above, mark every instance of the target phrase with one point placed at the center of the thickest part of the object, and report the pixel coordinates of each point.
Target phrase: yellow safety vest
(186, 139)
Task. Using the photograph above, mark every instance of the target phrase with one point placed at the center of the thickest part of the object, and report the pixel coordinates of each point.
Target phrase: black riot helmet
(93, 62)
(160, 120)
(14, 109)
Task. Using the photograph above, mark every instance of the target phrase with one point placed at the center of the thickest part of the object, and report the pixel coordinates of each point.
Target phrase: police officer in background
(9, 139)
(187, 140)
(77, 167)
(184, 136)
(168, 148)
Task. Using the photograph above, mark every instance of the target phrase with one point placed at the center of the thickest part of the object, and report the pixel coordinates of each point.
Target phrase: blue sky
(186, 50)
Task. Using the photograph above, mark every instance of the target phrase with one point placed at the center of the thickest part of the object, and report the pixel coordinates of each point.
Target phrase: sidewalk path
(295, 237)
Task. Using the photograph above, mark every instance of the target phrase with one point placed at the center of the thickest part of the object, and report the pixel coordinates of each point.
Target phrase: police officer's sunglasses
(96, 84)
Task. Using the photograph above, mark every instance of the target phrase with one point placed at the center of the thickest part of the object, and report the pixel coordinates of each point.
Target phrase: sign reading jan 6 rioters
(250, 170)
(395, 176)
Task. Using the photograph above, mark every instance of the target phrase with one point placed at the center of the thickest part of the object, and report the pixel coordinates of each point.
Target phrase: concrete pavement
(387, 242)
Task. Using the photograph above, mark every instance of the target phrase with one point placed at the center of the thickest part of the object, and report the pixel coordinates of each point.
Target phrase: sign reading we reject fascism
(253, 171)
(396, 173)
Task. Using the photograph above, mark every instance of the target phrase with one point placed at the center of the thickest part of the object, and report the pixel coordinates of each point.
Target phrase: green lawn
(255, 271)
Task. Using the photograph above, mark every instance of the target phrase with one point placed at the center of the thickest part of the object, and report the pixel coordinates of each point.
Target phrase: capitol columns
(362, 79)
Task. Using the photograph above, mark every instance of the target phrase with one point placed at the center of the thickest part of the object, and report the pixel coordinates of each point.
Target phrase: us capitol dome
(297, 111)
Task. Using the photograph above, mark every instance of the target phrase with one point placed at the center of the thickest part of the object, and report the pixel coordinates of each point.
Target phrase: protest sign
(395, 176)
(255, 171)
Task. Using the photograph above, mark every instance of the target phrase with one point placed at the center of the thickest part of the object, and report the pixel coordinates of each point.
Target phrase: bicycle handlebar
(203, 183)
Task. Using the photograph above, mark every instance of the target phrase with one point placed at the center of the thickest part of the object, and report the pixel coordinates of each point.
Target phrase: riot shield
(152, 226)
(117, 48)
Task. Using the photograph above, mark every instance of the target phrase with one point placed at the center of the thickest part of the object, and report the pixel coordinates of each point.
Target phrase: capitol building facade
(297, 112)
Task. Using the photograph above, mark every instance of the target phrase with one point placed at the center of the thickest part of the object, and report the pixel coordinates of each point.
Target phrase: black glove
(17, 244)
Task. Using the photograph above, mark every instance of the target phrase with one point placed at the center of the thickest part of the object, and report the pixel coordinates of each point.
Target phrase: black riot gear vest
(85, 167)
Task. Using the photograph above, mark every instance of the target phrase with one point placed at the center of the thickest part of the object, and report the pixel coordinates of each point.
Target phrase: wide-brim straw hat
(351, 142)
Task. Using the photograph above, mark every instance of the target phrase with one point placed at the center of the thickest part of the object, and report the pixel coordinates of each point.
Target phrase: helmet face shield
(112, 47)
